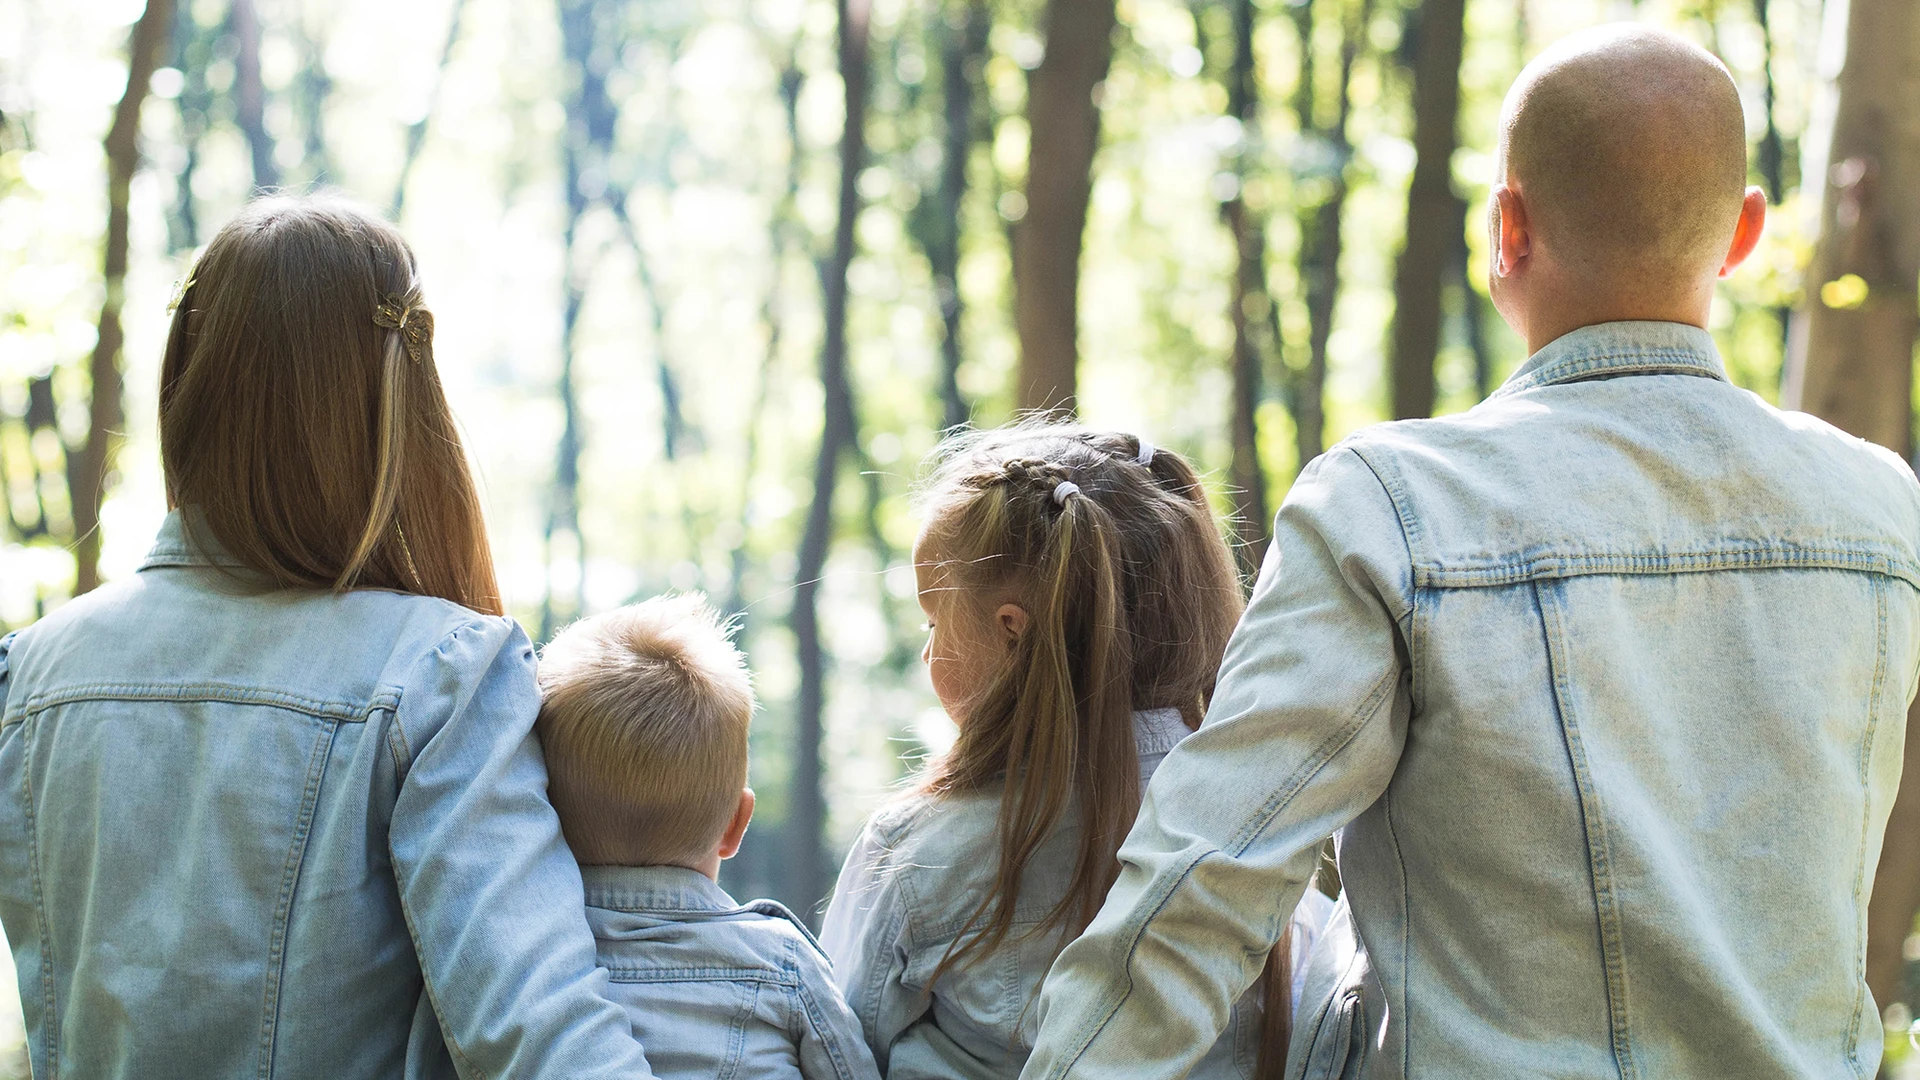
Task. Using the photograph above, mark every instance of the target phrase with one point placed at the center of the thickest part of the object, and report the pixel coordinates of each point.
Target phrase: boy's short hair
(643, 716)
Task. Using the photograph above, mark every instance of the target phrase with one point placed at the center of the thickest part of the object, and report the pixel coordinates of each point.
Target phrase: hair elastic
(1063, 489)
(1145, 456)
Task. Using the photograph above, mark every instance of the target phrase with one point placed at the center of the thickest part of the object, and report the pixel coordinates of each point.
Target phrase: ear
(1510, 230)
(737, 828)
(1013, 620)
(1746, 235)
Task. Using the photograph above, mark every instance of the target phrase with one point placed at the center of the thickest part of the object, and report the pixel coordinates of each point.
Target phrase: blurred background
(711, 276)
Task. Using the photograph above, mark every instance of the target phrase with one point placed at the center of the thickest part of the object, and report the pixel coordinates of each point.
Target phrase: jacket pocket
(1339, 1047)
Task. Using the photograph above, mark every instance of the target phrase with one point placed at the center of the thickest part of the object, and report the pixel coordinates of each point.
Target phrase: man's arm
(1304, 733)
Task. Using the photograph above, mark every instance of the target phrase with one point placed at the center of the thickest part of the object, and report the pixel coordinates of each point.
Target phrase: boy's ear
(1013, 620)
(737, 828)
(1510, 230)
(1746, 235)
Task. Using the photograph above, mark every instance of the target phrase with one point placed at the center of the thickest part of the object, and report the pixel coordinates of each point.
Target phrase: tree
(806, 820)
(961, 28)
(1853, 350)
(1063, 122)
(88, 470)
(1438, 28)
(250, 93)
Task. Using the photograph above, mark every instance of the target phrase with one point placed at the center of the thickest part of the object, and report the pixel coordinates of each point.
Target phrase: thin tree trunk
(250, 94)
(191, 51)
(1852, 364)
(88, 473)
(808, 814)
(1433, 217)
(417, 131)
(962, 50)
(1249, 303)
(1063, 122)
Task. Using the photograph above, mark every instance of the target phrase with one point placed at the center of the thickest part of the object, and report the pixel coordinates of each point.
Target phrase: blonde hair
(643, 715)
(1131, 593)
(302, 422)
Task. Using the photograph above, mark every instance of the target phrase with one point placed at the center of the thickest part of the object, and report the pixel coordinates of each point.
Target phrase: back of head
(302, 422)
(644, 714)
(1131, 593)
(1628, 146)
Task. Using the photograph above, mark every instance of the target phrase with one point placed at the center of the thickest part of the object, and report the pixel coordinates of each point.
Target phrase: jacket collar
(655, 889)
(1619, 348)
(173, 547)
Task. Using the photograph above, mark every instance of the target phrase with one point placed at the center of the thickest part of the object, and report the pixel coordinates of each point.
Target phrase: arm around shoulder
(491, 894)
(1305, 730)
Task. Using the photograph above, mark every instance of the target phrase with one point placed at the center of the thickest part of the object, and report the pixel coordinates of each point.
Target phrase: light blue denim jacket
(287, 835)
(1603, 684)
(718, 990)
(910, 884)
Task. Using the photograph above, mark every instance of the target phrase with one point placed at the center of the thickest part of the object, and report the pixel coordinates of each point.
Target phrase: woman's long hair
(302, 422)
(1131, 595)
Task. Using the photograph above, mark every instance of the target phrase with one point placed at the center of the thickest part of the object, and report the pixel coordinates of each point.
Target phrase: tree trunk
(807, 817)
(1852, 361)
(1852, 356)
(1433, 216)
(1249, 303)
(963, 48)
(250, 94)
(417, 131)
(88, 474)
(1063, 122)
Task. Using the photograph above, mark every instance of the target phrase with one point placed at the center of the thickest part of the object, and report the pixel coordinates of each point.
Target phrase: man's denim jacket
(716, 989)
(288, 834)
(1603, 685)
(913, 881)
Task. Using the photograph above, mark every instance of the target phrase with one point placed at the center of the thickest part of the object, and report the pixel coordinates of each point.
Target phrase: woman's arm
(491, 894)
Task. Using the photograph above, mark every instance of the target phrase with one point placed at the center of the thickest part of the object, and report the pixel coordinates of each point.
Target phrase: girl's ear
(1012, 619)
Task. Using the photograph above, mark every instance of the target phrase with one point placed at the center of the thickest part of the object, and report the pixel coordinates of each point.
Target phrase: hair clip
(1145, 457)
(179, 297)
(409, 319)
(1063, 489)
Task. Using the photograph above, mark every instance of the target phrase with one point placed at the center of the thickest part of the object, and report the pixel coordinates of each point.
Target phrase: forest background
(711, 276)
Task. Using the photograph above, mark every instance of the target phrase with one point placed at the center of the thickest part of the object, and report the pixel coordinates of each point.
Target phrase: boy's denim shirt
(1603, 685)
(913, 881)
(287, 834)
(716, 989)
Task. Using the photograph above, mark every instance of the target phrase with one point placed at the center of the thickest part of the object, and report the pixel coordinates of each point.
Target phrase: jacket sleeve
(832, 1046)
(491, 893)
(865, 935)
(1305, 730)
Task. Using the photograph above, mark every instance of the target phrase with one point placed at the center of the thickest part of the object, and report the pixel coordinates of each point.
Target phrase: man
(1602, 683)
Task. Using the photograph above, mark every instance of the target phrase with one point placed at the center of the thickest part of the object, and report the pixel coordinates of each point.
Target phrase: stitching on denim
(1638, 361)
(283, 910)
(1328, 750)
(1406, 935)
(229, 693)
(1524, 568)
(1599, 855)
(817, 1019)
(640, 973)
(737, 1033)
(426, 977)
(1410, 534)
(49, 1020)
(1863, 872)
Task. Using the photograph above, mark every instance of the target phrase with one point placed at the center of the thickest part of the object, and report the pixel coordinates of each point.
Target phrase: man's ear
(737, 828)
(1013, 620)
(1746, 235)
(1512, 234)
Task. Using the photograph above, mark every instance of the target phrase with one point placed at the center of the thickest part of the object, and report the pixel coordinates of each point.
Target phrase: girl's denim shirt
(287, 834)
(1603, 686)
(909, 886)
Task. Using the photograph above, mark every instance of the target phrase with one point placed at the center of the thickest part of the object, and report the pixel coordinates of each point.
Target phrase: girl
(274, 807)
(1079, 598)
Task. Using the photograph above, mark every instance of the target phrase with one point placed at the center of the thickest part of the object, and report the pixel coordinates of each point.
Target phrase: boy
(644, 715)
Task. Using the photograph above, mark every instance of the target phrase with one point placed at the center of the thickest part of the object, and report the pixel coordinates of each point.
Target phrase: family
(1600, 689)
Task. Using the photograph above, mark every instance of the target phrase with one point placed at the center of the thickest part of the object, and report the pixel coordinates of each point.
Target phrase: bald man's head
(1628, 148)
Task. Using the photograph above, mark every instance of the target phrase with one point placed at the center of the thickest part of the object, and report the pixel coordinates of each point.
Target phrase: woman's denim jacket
(1603, 684)
(288, 834)
(909, 887)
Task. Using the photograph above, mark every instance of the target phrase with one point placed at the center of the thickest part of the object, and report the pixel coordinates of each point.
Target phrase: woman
(273, 806)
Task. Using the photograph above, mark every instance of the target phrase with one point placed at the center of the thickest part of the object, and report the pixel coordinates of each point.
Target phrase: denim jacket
(288, 834)
(1603, 685)
(909, 886)
(716, 989)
